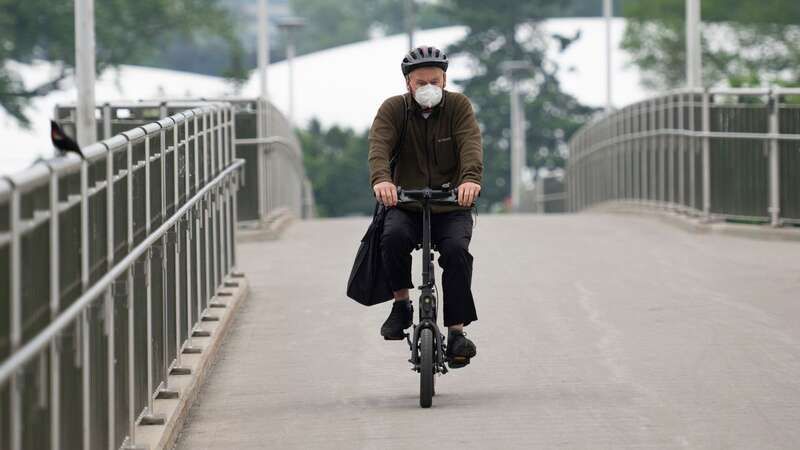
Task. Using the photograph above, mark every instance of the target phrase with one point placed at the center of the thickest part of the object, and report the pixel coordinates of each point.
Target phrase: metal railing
(274, 171)
(107, 266)
(717, 154)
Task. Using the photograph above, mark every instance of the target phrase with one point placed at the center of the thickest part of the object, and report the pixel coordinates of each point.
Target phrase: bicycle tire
(426, 369)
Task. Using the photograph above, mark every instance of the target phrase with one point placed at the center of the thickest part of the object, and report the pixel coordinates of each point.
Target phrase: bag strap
(398, 145)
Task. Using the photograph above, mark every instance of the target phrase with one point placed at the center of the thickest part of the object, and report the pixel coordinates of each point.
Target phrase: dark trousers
(451, 233)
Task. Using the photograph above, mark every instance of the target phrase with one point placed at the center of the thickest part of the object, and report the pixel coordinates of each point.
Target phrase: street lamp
(290, 25)
(517, 128)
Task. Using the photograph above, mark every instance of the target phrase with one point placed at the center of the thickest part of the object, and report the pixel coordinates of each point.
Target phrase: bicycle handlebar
(440, 196)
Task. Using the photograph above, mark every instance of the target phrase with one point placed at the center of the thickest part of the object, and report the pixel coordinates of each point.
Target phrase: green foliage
(336, 161)
(340, 22)
(745, 43)
(508, 30)
(126, 32)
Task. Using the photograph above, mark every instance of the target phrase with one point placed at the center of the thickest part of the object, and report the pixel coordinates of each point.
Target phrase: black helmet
(424, 57)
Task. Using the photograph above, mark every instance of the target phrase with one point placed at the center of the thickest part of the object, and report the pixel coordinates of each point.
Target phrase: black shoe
(399, 319)
(459, 349)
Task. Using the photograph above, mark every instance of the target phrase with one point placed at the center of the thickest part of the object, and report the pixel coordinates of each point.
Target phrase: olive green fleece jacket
(444, 148)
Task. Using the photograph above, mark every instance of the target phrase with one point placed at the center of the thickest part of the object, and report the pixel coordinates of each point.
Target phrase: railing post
(662, 151)
(616, 178)
(644, 175)
(774, 160)
(198, 218)
(111, 351)
(150, 417)
(106, 120)
(706, 155)
(234, 218)
(670, 150)
(55, 301)
(84, 174)
(692, 152)
(652, 153)
(260, 183)
(130, 301)
(681, 154)
(636, 157)
(16, 317)
(190, 235)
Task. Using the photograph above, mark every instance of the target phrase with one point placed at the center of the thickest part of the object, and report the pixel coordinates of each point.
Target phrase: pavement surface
(595, 331)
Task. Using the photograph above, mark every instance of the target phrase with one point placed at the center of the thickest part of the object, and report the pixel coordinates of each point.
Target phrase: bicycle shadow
(444, 398)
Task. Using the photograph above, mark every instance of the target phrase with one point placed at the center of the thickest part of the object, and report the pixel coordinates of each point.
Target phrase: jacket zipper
(428, 153)
(435, 145)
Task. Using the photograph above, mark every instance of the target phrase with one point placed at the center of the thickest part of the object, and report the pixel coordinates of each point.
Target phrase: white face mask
(428, 96)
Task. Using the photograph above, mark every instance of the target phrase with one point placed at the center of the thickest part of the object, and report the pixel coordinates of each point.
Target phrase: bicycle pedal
(457, 362)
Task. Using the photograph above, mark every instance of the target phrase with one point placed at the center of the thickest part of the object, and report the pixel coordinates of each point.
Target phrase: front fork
(427, 319)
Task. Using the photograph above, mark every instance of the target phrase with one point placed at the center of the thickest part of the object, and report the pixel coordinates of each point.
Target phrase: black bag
(368, 283)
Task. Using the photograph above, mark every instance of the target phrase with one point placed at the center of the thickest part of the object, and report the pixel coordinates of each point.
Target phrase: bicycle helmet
(424, 57)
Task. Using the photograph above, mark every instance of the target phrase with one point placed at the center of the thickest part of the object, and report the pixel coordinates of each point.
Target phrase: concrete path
(595, 332)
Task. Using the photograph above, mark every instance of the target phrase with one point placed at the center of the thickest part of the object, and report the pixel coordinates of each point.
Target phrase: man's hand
(386, 193)
(468, 192)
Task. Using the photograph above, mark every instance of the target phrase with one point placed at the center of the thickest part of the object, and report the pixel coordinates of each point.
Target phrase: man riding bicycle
(435, 140)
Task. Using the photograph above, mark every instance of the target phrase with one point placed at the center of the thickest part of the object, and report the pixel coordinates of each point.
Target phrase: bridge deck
(595, 331)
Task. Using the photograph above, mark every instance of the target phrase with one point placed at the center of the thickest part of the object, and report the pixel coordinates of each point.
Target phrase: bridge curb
(270, 229)
(176, 411)
(696, 225)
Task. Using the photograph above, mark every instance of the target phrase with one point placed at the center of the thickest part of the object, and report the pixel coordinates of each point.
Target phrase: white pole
(608, 13)
(263, 108)
(263, 47)
(410, 22)
(521, 151)
(85, 71)
(698, 49)
(689, 46)
(290, 58)
(515, 145)
(694, 55)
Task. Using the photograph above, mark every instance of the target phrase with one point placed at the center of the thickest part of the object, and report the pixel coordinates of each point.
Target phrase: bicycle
(428, 345)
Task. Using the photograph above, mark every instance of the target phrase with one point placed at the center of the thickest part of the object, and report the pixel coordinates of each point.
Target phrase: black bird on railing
(62, 141)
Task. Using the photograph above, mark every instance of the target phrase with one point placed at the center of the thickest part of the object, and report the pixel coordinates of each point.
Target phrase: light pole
(263, 108)
(517, 129)
(263, 47)
(694, 55)
(86, 126)
(608, 13)
(410, 21)
(289, 25)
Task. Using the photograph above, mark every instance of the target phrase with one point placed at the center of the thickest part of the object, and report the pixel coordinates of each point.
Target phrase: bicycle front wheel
(426, 368)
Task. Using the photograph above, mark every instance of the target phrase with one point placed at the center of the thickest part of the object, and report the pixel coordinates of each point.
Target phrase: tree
(347, 21)
(126, 32)
(744, 43)
(509, 30)
(336, 162)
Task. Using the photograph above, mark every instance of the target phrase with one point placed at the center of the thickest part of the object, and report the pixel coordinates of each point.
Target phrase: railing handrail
(270, 126)
(37, 344)
(638, 153)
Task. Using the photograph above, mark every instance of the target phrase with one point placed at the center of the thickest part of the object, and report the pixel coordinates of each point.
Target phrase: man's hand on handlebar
(386, 193)
(468, 193)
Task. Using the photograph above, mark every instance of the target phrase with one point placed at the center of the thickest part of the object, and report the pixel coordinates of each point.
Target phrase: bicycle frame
(428, 301)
